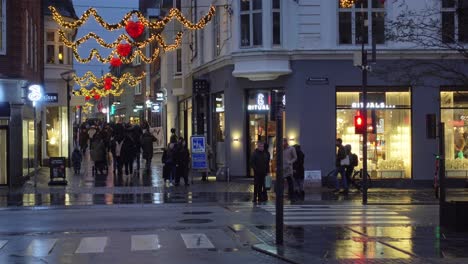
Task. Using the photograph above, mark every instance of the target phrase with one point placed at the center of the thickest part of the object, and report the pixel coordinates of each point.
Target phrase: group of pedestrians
(176, 160)
(293, 171)
(345, 163)
(125, 142)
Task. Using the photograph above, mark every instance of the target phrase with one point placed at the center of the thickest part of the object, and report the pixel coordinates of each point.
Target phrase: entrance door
(3, 155)
(264, 130)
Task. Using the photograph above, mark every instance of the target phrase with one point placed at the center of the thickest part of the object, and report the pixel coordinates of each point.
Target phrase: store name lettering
(376, 105)
(260, 106)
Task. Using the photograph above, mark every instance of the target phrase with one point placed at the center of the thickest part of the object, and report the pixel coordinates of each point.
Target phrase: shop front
(219, 129)
(260, 126)
(389, 146)
(56, 132)
(3, 151)
(454, 114)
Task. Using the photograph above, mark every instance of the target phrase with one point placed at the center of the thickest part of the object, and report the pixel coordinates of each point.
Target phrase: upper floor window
(454, 21)
(138, 89)
(179, 61)
(56, 53)
(251, 23)
(217, 33)
(364, 21)
(2, 26)
(276, 5)
(137, 60)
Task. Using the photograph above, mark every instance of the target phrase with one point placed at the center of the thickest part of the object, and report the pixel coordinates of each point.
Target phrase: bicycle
(357, 180)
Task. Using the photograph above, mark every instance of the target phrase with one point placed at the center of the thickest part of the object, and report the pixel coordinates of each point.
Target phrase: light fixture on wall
(235, 139)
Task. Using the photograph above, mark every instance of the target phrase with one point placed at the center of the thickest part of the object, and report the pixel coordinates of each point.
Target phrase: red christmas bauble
(115, 62)
(134, 29)
(124, 49)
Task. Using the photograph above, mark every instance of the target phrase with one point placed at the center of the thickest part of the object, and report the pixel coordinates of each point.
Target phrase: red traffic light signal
(359, 125)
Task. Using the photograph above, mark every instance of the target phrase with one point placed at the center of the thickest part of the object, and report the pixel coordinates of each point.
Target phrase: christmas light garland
(89, 78)
(173, 13)
(94, 53)
(138, 44)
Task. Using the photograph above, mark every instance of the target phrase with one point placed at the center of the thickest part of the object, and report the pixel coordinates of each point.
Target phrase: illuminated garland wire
(173, 13)
(89, 78)
(94, 53)
(101, 92)
(103, 43)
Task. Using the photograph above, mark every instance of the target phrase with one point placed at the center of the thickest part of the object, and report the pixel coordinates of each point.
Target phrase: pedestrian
(169, 160)
(116, 150)
(83, 139)
(289, 157)
(298, 173)
(146, 143)
(98, 153)
(182, 162)
(128, 152)
(353, 162)
(76, 160)
(259, 162)
(341, 161)
(136, 136)
(173, 137)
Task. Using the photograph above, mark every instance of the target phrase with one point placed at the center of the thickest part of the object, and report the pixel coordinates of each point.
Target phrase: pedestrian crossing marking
(92, 245)
(40, 247)
(338, 215)
(3, 243)
(196, 241)
(145, 242)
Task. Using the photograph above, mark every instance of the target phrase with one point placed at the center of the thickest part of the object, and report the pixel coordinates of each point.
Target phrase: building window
(350, 23)
(454, 114)
(56, 53)
(454, 18)
(194, 44)
(137, 60)
(57, 132)
(217, 33)
(138, 89)
(179, 61)
(276, 5)
(251, 23)
(389, 147)
(3, 26)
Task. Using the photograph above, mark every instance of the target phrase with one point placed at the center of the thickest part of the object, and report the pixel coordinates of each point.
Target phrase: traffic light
(359, 125)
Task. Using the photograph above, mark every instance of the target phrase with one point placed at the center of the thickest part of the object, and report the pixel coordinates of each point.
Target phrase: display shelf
(463, 174)
(390, 174)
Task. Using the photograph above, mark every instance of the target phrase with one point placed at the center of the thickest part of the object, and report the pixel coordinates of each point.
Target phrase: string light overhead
(94, 53)
(174, 13)
(89, 78)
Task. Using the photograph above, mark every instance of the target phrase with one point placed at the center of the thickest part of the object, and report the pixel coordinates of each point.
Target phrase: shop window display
(57, 132)
(389, 149)
(454, 114)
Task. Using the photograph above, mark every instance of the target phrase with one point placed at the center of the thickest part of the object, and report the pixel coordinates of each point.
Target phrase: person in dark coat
(182, 162)
(128, 153)
(169, 159)
(116, 150)
(136, 136)
(76, 160)
(147, 140)
(260, 163)
(83, 139)
(298, 172)
(98, 153)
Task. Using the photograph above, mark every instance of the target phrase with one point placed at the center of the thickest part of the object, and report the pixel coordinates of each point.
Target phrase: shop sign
(199, 160)
(261, 104)
(159, 96)
(156, 108)
(372, 105)
(57, 170)
(219, 103)
(50, 98)
(34, 93)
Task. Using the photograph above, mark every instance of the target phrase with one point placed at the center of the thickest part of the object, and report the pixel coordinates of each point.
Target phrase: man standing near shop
(289, 157)
(341, 161)
(260, 163)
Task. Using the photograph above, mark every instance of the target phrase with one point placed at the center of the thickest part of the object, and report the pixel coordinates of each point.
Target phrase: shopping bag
(268, 182)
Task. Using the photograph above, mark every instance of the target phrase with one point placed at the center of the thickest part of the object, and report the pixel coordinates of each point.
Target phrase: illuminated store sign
(372, 105)
(262, 104)
(219, 104)
(34, 93)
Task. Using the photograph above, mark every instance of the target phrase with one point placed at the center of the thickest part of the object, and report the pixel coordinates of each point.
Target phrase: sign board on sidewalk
(312, 177)
(57, 171)
(199, 160)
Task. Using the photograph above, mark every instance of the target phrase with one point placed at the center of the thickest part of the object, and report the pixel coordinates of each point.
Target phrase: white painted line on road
(196, 241)
(40, 247)
(344, 217)
(145, 242)
(3, 243)
(92, 245)
(324, 223)
(328, 209)
(339, 213)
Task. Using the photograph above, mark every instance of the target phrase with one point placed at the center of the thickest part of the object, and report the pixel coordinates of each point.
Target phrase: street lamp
(68, 77)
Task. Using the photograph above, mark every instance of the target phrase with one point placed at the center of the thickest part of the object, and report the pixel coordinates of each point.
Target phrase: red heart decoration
(134, 29)
(87, 98)
(97, 96)
(108, 80)
(115, 62)
(124, 49)
(107, 87)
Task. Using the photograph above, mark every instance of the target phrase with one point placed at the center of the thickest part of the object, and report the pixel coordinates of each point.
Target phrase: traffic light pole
(364, 114)
(279, 171)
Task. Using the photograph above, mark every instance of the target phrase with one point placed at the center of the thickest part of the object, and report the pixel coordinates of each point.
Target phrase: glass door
(3, 156)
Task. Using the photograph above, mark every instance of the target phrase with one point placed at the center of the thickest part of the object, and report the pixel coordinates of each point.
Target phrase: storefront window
(454, 114)
(3, 155)
(28, 146)
(389, 149)
(57, 132)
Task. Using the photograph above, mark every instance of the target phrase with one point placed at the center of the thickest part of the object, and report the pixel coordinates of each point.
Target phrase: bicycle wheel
(329, 180)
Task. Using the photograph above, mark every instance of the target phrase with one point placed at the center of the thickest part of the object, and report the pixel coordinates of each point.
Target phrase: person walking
(298, 173)
(147, 140)
(98, 153)
(76, 160)
(353, 162)
(128, 153)
(259, 162)
(136, 136)
(289, 157)
(182, 162)
(116, 150)
(83, 139)
(169, 160)
(341, 161)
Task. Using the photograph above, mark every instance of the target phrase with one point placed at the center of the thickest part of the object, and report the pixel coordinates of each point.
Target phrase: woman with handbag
(341, 161)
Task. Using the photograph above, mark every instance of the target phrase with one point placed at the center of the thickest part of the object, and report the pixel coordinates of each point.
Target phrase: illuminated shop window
(454, 114)
(57, 132)
(389, 149)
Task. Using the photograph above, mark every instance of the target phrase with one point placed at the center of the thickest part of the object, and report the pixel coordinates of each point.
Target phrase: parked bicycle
(356, 180)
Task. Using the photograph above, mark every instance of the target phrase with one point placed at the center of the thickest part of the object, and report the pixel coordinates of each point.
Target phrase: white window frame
(56, 43)
(3, 30)
(137, 60)
(456, 25)
(138, 89)
(354, 11)
(251, 13)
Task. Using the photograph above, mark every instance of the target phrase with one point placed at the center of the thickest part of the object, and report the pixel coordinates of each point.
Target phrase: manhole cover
(197, 213)
(195, 221)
